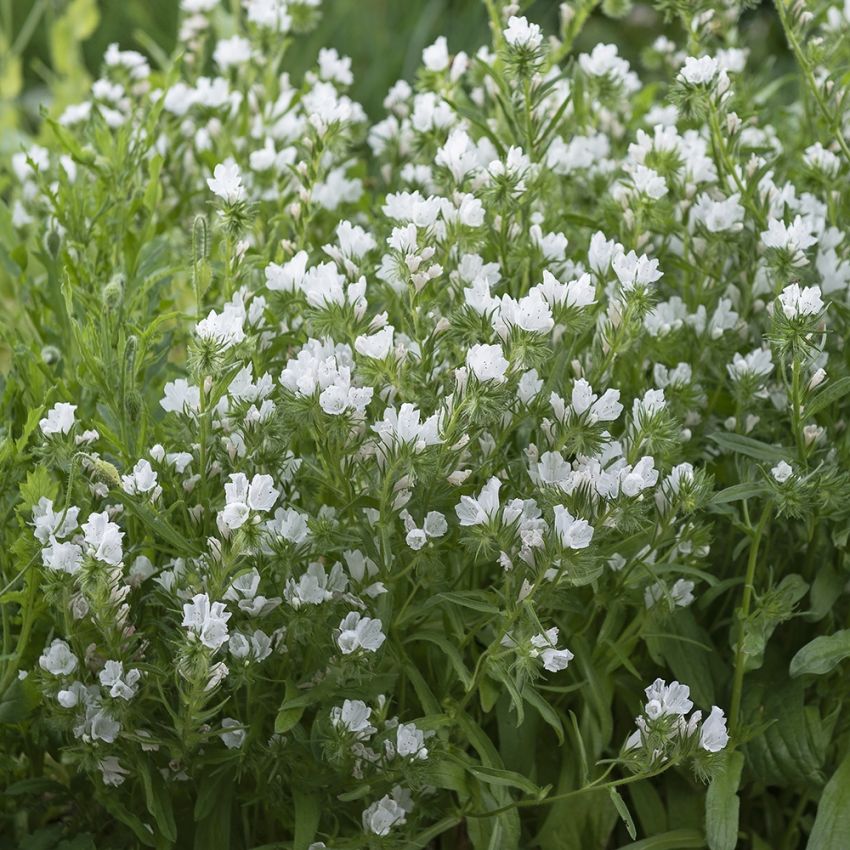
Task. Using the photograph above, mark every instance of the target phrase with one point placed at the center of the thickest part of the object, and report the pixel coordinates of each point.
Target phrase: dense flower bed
(475, 477)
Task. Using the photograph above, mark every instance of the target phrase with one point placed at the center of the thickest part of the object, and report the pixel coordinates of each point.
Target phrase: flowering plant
(360, 476)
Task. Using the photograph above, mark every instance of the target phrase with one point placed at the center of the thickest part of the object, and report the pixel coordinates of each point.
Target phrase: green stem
(833, 120)
(593, 786)
(744, 612)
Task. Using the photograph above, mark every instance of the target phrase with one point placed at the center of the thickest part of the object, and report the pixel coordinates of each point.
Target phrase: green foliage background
(384, 38)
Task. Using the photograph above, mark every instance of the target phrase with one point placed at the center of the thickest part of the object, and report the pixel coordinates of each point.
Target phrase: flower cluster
(478, 412)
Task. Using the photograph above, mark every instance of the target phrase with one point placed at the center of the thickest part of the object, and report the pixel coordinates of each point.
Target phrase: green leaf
(739, 492)
(477, 600)
(307, 815)
(158, 801)
(821, 655)
(623, 812)
(677, 839)
(831, 830)
(451, 652)
(505, 778)
(17, 702)
(827, 396)
(739, 444)
(722, 805)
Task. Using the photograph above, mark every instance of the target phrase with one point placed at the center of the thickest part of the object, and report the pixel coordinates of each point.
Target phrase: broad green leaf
(158, 801)
(827, 396)
(307, 814)
(722, 804)
(18, 701)
(792, 748)
(822, 654)
(831, 830)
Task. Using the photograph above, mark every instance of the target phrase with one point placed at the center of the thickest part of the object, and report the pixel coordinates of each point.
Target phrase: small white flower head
(231, 52)
(663, 699)
(57, 659)
(633, 270)
(242, 497)
(143, 479)
(104, 539)
(713, 736)
(572, 533)
(797, 302)
(520, 34)
(48, 523)
(232, 733)
(410, 742)
(120, 685)
(436, 57)
(487, 362)
(208, 622)
(357, 632)
(180, 397)
(482, 508)
(699, 71)
(756, 364)
(353, 716)
(112, 772)
(59, 419)
(782, 472)
(544, 646)
(794, 238)
(226, 182)
(383, 815)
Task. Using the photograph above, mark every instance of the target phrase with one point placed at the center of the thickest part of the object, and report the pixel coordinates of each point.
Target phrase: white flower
(120, 685)
(226, 182)
(59, 419)
(782, 472)
(403, 427)
(436, 57)
(794, 238)
(225, 328)
(180, 397)
(356, 632)
(633, 270)
(354, 716)
(142, 480)
(242, 497)
(383, 815)
(713, 736)
(573, 533)
(544, 647)
(663, 699)
(758, 363)
(377, 345)
(112, 772)
(57, 659)
(48, 523)
(104, 538)
(521, 34)
(228, 53)
(797, 302)
(699, 71)
(487, 362)
(482, 508)
(232, 733)
(208, 622)
(410, 742)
